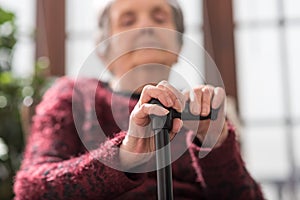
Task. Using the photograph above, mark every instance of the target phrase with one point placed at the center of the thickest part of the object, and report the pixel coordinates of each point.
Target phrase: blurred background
(254, 43)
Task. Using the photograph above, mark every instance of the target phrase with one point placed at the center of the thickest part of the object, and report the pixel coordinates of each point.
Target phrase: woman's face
(145, 18)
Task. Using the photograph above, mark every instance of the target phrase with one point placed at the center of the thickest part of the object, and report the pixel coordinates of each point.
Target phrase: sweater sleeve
(224, 172)
(55, 164)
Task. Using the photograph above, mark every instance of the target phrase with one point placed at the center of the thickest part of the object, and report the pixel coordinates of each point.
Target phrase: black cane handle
(186, 113)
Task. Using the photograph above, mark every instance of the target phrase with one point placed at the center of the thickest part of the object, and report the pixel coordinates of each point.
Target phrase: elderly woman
(65, 158)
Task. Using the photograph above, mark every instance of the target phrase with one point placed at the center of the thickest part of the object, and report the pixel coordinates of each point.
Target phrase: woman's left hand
(205, 97)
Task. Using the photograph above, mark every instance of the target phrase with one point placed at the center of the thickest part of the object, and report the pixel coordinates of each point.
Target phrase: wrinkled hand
(139, 143)
(204, 98)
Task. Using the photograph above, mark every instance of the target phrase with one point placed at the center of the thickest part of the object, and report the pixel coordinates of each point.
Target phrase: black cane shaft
(163, 162)
(162, 125)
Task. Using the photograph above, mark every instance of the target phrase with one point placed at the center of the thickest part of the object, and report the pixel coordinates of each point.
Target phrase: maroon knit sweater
(57, 165)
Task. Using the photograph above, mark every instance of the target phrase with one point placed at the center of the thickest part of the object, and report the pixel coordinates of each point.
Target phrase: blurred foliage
(7, 39)
(15, 95)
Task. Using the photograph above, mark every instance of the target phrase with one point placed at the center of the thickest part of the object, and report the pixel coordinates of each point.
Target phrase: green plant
(11, 138)
(16, 94)
(7, 39)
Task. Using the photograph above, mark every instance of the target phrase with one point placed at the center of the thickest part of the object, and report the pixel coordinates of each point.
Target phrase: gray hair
(104, 21)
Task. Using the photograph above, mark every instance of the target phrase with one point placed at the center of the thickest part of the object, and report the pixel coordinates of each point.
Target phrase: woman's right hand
(139, 144)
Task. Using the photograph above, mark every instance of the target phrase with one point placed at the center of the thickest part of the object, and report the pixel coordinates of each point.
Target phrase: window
(267, 48)
(24, 53)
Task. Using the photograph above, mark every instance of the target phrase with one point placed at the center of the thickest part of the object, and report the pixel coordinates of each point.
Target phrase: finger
(176, 95)
(141, 116)
(187, 96)
(218, 98)
(150, 92)
(195, 105)
(177, 125)
(207, 93)
(152, 109)
(167, 85)
(171, 95)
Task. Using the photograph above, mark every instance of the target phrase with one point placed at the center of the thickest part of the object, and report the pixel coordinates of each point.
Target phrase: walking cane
(161, 125)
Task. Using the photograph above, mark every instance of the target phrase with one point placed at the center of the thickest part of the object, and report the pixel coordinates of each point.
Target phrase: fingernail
(165, 111)
(205, 111)
(158, 110)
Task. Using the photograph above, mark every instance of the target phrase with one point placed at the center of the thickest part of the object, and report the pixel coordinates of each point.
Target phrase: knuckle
(197, 90)
(143, 108)
(147, 88)
(163, 82)
(207, 93)
(199, 87)
(220, 90)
